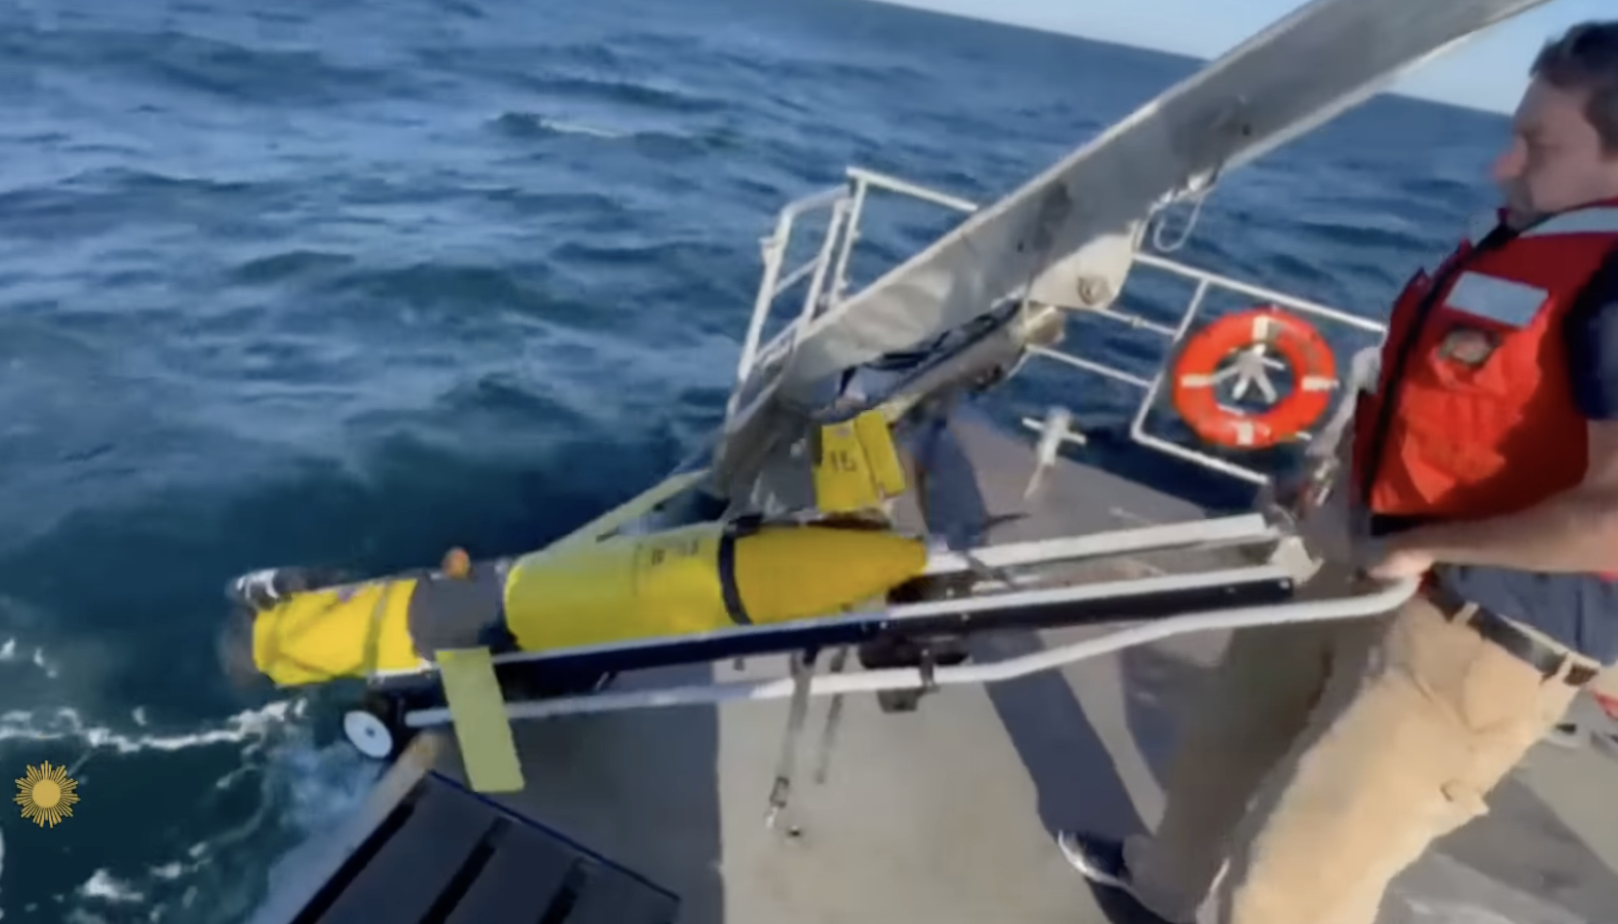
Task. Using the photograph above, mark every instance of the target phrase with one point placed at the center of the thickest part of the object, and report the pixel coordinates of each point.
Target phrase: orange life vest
(1474, 415)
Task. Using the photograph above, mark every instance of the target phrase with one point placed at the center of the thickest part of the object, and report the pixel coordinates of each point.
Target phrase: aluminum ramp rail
(1380, 599)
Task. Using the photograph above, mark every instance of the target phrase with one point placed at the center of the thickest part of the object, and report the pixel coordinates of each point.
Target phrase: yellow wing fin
(478, 711)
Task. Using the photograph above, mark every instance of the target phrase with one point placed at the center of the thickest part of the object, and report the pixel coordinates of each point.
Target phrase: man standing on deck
(1327, 757)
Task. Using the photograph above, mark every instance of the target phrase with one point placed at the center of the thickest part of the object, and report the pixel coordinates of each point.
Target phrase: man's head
(1564, 141)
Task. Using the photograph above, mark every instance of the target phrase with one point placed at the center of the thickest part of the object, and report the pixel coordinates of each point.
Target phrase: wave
(628, 92)
(8, 652)
(243, 74)
(694, 254)
(288, 266)
(583, 209)
(573, 73)
(438, 292)
(106, 749)
(66, 724)
(96, 202)
(297, 786)
(664, 144)
(843, 74)
(125, 180)
(523, 123)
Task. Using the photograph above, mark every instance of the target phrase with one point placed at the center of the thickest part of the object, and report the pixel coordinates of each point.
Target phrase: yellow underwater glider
(599, 600)
(689, 580)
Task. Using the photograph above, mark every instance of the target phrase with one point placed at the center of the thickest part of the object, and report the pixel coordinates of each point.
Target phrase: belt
(1546, 659)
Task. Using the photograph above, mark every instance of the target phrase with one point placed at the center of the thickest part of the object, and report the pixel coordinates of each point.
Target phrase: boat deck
(947, 814)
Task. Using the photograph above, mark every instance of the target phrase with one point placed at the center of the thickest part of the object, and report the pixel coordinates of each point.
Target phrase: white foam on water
(328, 784)
(251, 727)
(574, 128)
(8, 652)
(230, 779)
(304, 791)
(103, 885)
(66, 724)
(39, 662)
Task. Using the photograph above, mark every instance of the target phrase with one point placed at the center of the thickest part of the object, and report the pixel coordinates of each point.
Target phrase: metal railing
(828, 275)
(827, 271)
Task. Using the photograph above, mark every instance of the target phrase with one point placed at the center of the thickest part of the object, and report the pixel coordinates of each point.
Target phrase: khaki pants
(1326, 757)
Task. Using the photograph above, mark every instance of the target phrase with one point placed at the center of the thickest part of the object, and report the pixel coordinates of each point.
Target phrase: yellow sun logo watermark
(47, 794)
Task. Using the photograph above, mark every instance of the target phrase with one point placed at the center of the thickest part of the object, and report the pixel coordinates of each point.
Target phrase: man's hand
(1390, 562)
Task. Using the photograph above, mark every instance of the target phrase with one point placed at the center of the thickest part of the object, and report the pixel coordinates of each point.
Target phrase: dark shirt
(1579, 611)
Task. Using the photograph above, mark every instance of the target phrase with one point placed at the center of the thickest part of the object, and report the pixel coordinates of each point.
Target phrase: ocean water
(353, 283)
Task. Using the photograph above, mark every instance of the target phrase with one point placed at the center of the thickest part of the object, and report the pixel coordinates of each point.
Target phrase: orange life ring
(1314, 374)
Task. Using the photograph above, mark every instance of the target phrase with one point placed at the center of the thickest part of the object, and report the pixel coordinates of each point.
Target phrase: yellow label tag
(478, 712)
(880, 454)
(856, 465)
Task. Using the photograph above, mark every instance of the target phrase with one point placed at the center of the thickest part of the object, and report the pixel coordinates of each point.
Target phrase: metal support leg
(803, 672)
(834, 718)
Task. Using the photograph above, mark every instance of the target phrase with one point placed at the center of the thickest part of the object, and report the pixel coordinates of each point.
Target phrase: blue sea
(349, 284)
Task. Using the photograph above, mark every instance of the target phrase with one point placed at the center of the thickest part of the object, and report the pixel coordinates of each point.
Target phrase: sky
(1486, 72)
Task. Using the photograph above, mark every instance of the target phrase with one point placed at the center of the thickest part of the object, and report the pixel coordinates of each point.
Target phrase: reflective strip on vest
(1513, 304)
(1582, 221)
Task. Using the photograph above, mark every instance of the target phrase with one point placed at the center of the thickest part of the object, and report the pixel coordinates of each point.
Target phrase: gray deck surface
(945, 815)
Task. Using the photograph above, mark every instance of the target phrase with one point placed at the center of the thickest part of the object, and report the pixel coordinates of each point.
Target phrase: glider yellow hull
(684, 581)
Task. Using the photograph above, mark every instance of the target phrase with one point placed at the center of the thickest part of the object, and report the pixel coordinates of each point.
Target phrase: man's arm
(1577, 530)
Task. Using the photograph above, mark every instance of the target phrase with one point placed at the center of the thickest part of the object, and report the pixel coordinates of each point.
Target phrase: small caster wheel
(374, 728)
